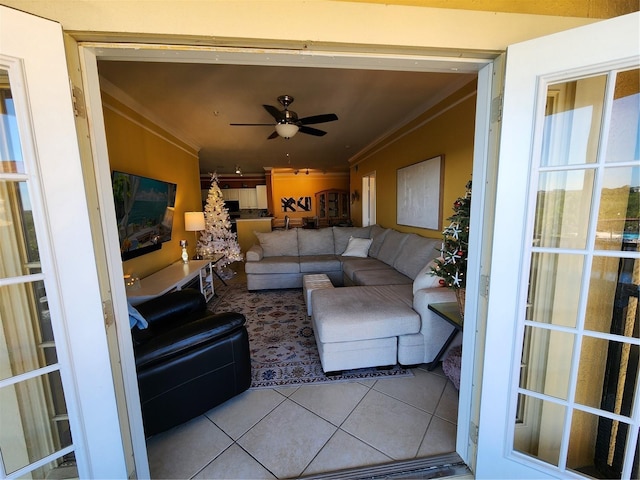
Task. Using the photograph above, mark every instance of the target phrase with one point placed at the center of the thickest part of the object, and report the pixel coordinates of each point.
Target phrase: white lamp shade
(286, 130)
(194, 221)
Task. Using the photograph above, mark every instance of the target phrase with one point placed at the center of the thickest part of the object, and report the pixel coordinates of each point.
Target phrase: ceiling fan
(287, 121)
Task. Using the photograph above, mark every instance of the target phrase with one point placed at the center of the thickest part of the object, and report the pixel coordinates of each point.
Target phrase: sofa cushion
(341, 236)
(274, 265)
(279, 242)
(377, 234)
(315, 242)
(416, 252)
(360, 313)
(391, 246)
(350, 265)
(380, 277)
(319, 263)
(254, 254)
(424, 279)
(357, 247)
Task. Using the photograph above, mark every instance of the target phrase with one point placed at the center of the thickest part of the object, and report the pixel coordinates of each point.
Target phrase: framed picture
(420, 193)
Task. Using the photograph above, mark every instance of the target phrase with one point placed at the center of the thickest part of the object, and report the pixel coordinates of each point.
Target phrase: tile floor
(298, 431)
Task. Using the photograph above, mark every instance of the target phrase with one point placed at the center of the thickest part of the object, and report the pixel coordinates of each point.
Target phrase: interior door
(58, 417)
(560, 382)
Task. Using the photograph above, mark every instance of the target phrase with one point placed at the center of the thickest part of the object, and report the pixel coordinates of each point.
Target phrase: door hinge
(496, 109)
(484, 286)
(473, 433)
(77, 96)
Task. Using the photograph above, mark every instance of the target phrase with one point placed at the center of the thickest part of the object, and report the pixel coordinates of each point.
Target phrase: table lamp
(194, 222)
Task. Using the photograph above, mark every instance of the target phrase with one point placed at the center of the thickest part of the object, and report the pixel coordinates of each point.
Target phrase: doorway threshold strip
(440, 466)
(281, 339)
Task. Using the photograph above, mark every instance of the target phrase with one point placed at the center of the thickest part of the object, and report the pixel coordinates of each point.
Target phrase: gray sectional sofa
(380, 317)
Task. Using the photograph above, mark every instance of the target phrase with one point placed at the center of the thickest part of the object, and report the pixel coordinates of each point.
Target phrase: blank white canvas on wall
(419, 188)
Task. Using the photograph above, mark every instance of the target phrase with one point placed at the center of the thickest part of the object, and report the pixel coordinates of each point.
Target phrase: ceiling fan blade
(273, 111)
(273, 135)
(251, 124)
(327, 117)
(312, 131)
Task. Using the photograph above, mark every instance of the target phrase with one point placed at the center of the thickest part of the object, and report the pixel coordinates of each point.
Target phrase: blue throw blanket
(135, 319)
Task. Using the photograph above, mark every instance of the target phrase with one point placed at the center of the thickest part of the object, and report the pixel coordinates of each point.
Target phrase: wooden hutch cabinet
(332, 208)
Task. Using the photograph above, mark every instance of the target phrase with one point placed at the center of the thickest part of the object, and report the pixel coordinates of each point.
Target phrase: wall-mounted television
(144, 212)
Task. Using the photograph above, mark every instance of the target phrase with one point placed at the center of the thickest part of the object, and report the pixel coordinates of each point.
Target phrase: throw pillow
(136, 319)
(357, 247)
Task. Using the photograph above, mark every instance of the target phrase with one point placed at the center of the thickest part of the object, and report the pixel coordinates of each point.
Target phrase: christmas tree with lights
(451, 267)
(217, 237)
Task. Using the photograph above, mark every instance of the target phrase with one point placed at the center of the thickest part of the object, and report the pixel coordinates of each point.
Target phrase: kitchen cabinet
(230, 193)
(248, 198)
(332, 207)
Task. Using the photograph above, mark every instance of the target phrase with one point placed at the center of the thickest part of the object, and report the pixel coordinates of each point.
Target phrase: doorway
(142, 52)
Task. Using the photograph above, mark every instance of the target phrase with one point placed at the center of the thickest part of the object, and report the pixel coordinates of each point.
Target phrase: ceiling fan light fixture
(286, 130)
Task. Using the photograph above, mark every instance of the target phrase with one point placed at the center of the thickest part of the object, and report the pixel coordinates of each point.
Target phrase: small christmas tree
(451, 267)
(217, 236)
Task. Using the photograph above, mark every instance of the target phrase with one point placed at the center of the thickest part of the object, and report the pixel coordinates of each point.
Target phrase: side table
(447, 311)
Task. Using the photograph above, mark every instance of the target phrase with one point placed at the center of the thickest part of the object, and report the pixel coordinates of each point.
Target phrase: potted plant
(451, 267)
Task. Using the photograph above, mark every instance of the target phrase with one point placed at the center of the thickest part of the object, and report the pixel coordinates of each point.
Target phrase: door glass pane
(554, 288)
(607, 375)
(543, 421)
(572, 121)
(34, 435)
(17, 231)
(623, 143)
(612, 306)
(10, 150)
(549, 352)
(28, 342)
(619, 213)
(596, 445)
(562, 209)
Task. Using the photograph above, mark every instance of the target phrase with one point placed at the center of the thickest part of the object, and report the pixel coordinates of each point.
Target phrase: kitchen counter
(246, 227)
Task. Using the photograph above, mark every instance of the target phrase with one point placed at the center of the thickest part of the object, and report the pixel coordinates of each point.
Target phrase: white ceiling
(197, 102)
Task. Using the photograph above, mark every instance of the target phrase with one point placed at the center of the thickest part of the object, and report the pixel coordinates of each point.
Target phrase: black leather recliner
(188, 360)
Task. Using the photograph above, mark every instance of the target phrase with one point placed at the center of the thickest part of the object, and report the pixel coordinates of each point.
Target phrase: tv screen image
(144, 212)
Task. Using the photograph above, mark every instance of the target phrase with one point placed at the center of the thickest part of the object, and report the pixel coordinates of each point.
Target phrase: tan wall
(448, 130)
(139, 147)
(302, 185)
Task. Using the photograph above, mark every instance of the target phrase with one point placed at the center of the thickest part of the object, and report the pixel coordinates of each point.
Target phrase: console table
(176, 276)
(447, 311)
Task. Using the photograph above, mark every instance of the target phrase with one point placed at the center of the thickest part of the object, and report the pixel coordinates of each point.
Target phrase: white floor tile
(239, 414)
(235, 464)
(345, 451)
(423, 390)
(448, 406)
(332, 402)
(287, 439)
(440, 438)
(388, 425)
(184, 450)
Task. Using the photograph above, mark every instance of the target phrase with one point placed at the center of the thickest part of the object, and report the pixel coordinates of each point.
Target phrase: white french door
(58, 414)
(560, 390)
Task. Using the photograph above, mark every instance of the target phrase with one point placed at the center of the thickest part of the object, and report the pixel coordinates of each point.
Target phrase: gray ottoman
(358, 327)
(311, 283)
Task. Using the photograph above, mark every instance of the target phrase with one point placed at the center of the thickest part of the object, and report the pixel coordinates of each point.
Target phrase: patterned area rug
(283, 348)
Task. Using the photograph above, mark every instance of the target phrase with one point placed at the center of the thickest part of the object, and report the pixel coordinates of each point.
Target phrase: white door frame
(91, 52)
